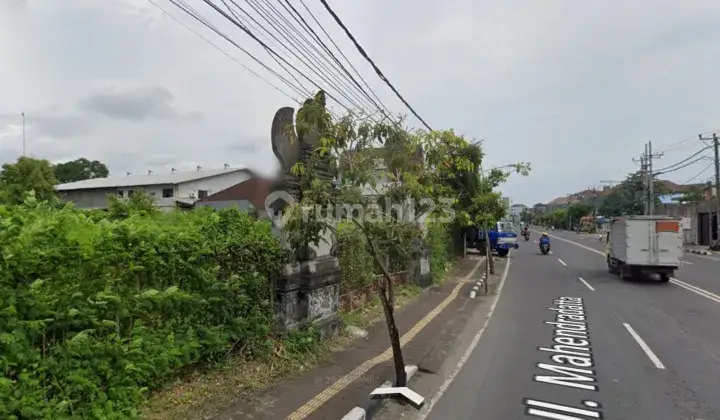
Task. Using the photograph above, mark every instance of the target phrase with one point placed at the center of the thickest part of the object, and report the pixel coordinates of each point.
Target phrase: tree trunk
(488, 252)
(387, 298)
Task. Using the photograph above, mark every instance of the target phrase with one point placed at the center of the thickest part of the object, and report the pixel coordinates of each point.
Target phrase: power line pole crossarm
(716, 146)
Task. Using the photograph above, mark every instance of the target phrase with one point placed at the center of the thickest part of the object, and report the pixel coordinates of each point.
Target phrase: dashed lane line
(586, 283)
(643, 345)
(562, 262)
(342, 383)
(702, 292)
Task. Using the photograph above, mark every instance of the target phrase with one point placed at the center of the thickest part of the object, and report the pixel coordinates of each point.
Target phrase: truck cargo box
(647, 241)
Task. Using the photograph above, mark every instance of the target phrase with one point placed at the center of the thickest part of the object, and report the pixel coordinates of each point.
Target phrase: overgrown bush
(439, 241)
(356, 262)
(94, 311)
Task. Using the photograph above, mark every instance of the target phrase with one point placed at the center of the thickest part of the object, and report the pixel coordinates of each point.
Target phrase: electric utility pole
(715, 139)
(643, 177)
(651, 178)
(646, 174)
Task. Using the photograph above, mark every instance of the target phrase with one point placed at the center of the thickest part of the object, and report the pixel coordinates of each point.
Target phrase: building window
(167, 192)
(202, 194)
(120, 193)
(130, 193)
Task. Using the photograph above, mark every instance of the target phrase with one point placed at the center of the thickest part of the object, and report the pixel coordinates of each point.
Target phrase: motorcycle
(545, 248)
(526, 235)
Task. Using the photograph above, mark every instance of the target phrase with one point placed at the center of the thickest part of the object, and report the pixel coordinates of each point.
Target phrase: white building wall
(88, 199)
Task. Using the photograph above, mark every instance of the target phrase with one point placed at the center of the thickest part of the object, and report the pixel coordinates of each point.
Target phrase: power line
(296, 52)
(683, 166)
(699, 173)
(193, 13)
(264, 45)
(300, 51)
(253, 72)
(375, 67)
(297, 15)
(306, 91)
(307, 9)
(682, 161)
(322, 59)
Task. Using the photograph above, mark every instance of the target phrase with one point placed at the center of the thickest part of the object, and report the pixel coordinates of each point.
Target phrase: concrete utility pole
(651, 178)
(643, 176)
(716, 140)
(646, 173)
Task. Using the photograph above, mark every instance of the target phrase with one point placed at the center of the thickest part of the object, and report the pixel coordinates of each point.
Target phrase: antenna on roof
(173, 170)
(150, 172)
(199, 167)
(227, 166)
(127, 173)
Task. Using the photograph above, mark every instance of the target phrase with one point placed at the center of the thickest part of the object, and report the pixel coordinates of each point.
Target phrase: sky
(575, 88)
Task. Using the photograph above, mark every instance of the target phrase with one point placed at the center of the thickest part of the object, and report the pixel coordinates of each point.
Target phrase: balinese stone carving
(308, 289)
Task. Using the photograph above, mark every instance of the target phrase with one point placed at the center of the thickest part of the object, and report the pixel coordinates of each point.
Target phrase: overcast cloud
(574, 87)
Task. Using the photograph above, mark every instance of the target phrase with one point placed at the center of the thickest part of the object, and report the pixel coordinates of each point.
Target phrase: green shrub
(356, 262)
(439, 241)
(95, 312)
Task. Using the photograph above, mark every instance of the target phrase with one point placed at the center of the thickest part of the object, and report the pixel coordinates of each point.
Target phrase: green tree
(628, 197)
(577, 211)
(476, 204)
(139, 203)
(417, 170)
(26, 175)
(80, 170)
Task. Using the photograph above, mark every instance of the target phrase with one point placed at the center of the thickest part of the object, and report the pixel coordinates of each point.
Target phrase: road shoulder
(333, 388)
(442, 363)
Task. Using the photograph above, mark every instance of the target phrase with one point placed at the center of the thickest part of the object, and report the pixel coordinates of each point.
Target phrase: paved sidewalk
(326, 391)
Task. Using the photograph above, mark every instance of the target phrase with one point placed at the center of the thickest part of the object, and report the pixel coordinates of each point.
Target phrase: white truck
(643, 246)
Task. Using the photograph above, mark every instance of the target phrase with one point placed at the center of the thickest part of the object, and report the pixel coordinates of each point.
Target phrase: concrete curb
(699, 251)
(375, 404)
(477, 286)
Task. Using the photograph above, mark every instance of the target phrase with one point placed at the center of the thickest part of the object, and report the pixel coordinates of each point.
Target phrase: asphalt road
(619, 350)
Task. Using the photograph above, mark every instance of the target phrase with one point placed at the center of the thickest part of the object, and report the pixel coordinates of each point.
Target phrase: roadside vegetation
(132, 312)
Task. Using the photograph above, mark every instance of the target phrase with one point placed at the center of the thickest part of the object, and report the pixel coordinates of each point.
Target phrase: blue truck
(502, 238)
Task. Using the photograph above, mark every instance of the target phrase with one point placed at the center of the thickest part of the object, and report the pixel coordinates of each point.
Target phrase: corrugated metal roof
(141, 180)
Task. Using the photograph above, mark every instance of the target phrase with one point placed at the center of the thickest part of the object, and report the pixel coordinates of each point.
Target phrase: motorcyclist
(544, 239)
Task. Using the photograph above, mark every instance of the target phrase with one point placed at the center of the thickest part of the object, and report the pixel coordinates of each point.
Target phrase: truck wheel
(612, 269)
(625, 272)
(503, 252)
(664, 277)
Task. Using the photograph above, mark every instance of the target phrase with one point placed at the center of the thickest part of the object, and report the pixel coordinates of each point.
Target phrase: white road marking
(694, 289)
(653, 358)
(550, 252)
(683, 262)
(562, 262)
(702, 292)
(586, 283)
(444, 387)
